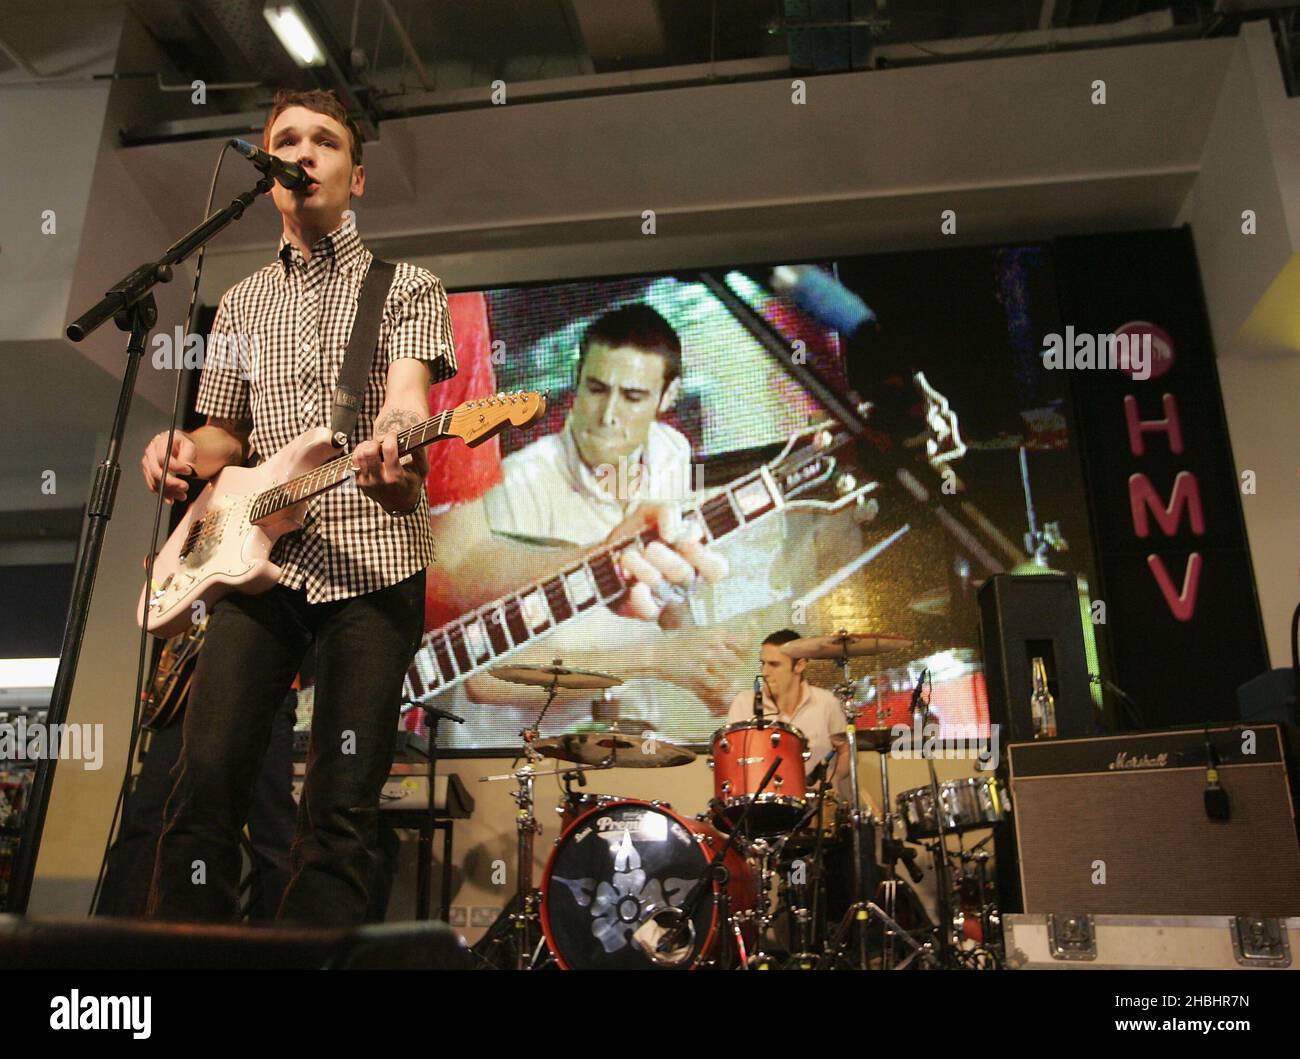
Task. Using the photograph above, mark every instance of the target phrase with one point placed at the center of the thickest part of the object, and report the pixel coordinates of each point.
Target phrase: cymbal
(560, 676)
(619, 749)
(852, 644)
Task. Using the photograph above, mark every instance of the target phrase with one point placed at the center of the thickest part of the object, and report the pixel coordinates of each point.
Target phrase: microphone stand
(131, 305)
(429, 822)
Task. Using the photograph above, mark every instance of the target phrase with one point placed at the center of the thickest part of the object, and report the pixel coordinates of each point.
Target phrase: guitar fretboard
(462, 648)
(328, 475)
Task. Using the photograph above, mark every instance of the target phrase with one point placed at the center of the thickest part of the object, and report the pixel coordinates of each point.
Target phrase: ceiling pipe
(405, 40)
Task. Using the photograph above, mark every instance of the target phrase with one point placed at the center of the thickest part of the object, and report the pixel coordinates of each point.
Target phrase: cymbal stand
(526, 917)
(864, 907)
(762, 913)
(803, 920)
(942, 876)
(844, 692)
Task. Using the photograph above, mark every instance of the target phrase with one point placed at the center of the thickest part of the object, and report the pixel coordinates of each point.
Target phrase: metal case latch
(1260, 941)
(1071, 937)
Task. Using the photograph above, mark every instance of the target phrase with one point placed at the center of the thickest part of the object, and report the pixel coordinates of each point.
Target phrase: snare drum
(623, 863)
(964, 805)
(740, 756)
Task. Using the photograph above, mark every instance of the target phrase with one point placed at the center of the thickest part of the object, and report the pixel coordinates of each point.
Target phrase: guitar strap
(351, 386)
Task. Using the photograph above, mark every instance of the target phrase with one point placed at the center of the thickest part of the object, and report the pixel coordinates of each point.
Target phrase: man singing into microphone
(352, 578)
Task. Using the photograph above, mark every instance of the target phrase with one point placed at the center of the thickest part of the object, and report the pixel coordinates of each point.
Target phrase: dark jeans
(254, 647)
(270, 823)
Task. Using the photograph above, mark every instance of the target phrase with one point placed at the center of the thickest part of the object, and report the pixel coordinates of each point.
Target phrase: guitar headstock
(943, 443)
(811, 471)
(478, 420)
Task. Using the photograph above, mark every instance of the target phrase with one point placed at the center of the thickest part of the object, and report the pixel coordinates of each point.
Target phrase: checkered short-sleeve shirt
(274, 356)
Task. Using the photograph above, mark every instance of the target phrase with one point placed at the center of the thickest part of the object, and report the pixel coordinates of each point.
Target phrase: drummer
(788, 697)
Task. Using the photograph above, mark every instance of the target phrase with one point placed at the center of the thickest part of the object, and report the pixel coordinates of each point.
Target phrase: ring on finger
(668, 593)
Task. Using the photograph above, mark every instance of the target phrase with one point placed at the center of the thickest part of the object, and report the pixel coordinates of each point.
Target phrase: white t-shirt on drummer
(818, 716)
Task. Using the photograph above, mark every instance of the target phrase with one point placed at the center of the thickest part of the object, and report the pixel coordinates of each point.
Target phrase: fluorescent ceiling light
(295, 33)
(28, 672)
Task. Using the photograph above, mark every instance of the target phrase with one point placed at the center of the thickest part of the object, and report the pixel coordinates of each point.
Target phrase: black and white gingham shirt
(290, 322)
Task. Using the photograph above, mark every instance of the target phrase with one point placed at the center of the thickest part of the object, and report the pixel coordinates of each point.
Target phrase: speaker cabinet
(1027, 616)
(1119, 824)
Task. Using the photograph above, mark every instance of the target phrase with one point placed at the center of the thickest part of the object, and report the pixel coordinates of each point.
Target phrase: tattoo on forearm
(397, 419)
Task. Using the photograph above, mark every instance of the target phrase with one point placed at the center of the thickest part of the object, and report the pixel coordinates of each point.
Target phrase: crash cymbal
(852, 644)
(615, 748)
(559, 675)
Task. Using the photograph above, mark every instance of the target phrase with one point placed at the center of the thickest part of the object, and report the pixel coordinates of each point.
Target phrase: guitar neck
(465, 647)
(336, 471)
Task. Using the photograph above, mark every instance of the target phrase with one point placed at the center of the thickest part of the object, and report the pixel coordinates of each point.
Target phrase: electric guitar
(170, 686)
(224, 541)
(806, 474)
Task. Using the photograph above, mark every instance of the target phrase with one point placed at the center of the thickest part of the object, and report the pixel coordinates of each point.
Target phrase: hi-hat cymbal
(559, 675)
(618, 749)
(852, 644)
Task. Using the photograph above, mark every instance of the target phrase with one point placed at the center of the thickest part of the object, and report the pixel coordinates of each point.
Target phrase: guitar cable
(144, 649)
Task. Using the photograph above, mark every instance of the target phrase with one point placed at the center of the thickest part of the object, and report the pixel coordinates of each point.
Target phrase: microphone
(916, 694)
(758, 697)
(286, 174)
(815, 776)
(1216, 798)
(662, 941)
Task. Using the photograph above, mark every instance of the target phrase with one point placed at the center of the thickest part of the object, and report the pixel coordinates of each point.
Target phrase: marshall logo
(1125, 760)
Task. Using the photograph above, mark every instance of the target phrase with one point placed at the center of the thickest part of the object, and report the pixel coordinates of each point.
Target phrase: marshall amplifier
(1123, 824)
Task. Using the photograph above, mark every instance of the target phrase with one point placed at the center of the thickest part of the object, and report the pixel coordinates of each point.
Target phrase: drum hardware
(671, 939)
(977, 921)
(767, 855)
(526, 919)
(943, 881)
(803, 917)
(840, 648)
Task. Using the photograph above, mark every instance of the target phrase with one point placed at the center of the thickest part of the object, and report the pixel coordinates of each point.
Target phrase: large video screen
(820, 531)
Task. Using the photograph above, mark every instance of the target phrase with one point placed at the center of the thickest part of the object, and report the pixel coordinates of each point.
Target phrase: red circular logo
(1141, 366)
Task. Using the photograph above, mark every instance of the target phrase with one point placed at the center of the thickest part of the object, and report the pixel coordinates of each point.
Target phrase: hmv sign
(1182, 615)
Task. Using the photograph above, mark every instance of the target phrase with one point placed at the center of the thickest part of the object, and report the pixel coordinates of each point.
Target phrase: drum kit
(633, 884)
